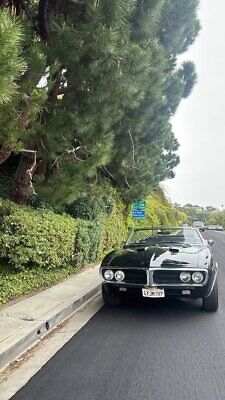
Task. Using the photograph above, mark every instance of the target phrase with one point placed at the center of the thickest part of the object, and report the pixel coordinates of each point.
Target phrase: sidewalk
(24, 323)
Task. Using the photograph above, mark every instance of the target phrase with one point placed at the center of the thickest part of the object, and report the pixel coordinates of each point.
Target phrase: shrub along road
(141, 350)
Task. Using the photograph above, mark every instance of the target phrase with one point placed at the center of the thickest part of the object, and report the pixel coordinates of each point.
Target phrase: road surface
(155, 350)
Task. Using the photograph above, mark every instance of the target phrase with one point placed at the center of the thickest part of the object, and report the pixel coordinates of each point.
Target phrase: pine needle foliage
(101, 85)
(12, 64)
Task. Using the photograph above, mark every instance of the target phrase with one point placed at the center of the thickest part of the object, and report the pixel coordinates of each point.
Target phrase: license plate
(153, 293)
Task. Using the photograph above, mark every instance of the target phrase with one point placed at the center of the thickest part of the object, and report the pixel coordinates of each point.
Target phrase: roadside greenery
(195, 212)
(216, 218)
(39, 247)
(209, 215)
(16, 282)
(160, 212)
(33, 237)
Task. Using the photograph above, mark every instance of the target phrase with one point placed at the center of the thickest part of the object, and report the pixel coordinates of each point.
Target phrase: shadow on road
(159, 309)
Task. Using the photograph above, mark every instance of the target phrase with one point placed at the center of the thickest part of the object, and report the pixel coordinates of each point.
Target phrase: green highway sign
(139, 205)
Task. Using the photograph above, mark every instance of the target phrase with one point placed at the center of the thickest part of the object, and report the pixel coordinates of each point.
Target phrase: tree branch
(104, 171)
(72, 152)
(30, 171)
(127, 183)
(43, 20)
(133, 150)
(76, 2)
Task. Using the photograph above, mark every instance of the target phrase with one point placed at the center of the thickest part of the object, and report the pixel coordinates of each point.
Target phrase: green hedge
(39, 238)
(43, 239)
(87, 242)
(39, 247)
(113, 230)
(16, 282)
(102, 223)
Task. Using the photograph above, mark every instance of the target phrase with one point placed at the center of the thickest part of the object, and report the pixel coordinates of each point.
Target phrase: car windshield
(165, 236)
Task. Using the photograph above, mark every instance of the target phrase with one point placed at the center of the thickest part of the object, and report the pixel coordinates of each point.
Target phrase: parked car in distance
(211, 227)
(162, 263)
(215, 228)
(219, 228)
(199, 225)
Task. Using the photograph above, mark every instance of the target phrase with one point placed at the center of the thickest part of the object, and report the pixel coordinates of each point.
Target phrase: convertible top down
(162, 263)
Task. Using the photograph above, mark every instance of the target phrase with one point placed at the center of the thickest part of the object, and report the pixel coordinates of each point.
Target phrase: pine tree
(145, 151)
(100, 87)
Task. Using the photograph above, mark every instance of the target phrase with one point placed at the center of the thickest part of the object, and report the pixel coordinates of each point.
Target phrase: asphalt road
(156, 350)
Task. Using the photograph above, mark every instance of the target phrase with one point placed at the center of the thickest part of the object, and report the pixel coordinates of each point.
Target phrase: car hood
(156, 257)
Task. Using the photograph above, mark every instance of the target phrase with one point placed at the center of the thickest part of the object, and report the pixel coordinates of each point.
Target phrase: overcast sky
(199, 123)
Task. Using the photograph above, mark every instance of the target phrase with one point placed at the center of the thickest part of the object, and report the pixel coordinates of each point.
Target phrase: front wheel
(211, 302)
(111, 296)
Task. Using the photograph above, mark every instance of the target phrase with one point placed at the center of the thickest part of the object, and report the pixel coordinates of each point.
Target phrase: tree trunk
(22, 187)
(5, 153)
(41, 168)
(43, 20)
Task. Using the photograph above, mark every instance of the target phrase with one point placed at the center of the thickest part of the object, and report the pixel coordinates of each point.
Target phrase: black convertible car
(162, 263)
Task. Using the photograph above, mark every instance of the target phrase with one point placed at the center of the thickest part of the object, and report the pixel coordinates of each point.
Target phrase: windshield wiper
(136, 244)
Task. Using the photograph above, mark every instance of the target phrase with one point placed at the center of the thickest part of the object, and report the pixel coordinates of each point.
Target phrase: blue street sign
(138, 214)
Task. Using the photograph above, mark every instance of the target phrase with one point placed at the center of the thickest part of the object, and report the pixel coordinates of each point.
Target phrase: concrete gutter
(23, 324)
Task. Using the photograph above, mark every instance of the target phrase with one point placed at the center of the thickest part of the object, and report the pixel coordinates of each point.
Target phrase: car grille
(161, 277)
(133, 276)
(137, 276)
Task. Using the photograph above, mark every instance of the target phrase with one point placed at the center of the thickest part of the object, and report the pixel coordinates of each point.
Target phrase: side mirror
(210, 242)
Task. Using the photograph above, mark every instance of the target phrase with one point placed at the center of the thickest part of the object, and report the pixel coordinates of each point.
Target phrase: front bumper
(171, 290)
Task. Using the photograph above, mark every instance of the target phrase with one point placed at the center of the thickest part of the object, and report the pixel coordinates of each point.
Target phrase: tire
(110, 298)
(211, 302)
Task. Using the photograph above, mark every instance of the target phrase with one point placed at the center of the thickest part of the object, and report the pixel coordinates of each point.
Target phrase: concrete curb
(18, 348)
(34, 330)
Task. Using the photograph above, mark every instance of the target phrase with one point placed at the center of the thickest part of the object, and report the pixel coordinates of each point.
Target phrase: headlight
(119, 276)
(108, 275)
(197, 277)
(185, 277)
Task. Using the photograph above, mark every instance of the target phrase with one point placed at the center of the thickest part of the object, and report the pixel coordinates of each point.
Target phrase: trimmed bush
(113, 230)
(40, 247)
(87, 241)
(102, 225)
(15, 282)
(37, 238)
(42, 239)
